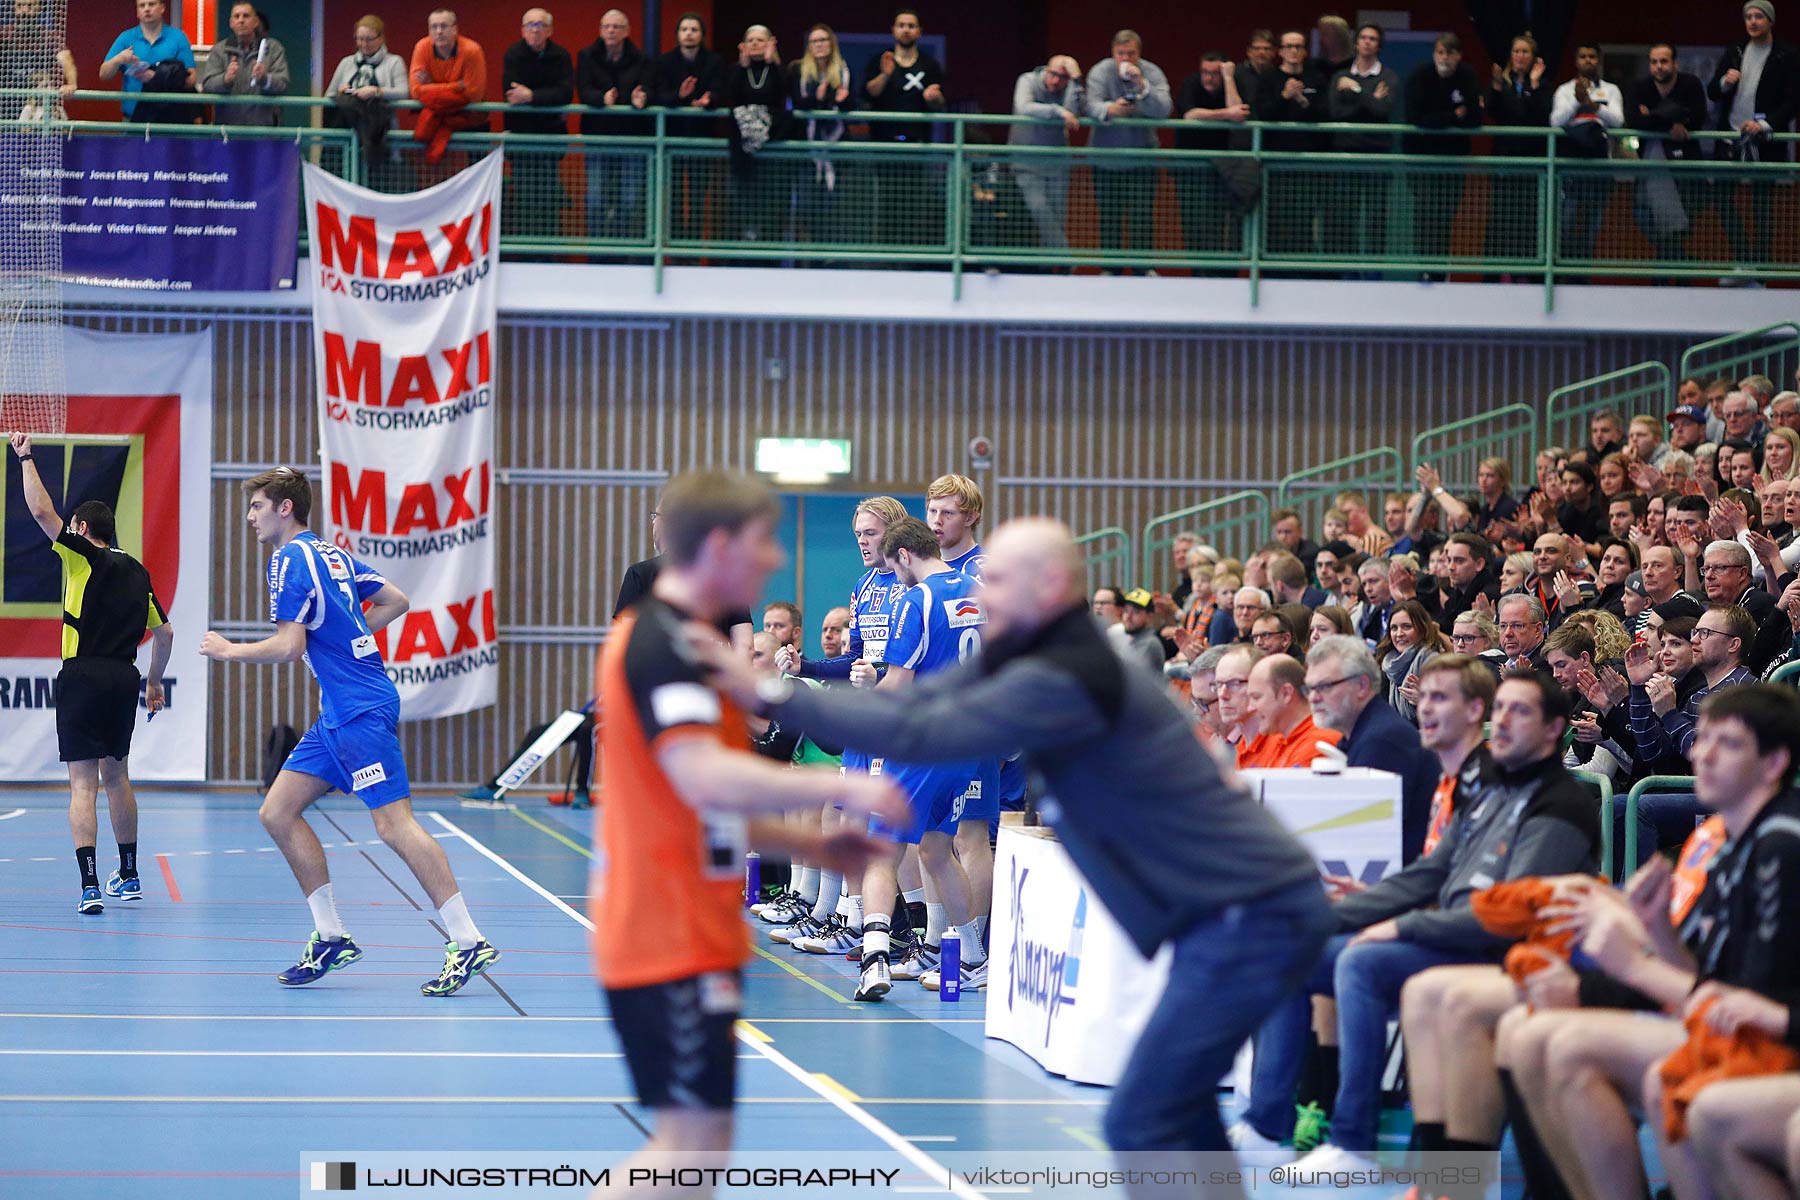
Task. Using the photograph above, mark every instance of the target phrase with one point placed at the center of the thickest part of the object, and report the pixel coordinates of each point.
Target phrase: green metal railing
(1104, 547)
(1456, 449)
(1378, 470)
(972, 202)
(1626, 390)
(1603, 786)
(1650, 783)
(1239, 518)
(1770, 351)
(1788, 673)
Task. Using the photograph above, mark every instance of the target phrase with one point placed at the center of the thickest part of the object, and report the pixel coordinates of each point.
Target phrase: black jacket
(1649, 111)
(595, 75)
(1520, 106)
(551, 78)
(1777, 96)
(1458, 601)
(1136, 801)
(1750, 908)
(1309, 109)
(667, 76)
(1432, 102)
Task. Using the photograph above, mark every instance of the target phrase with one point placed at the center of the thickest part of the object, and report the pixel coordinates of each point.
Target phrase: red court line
(162, 860)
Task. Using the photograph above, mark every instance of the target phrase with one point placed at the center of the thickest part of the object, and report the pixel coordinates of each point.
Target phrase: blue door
(823, 564)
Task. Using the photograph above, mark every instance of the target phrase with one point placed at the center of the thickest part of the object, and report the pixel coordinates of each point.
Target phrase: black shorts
(96, 708)
(678, 1039)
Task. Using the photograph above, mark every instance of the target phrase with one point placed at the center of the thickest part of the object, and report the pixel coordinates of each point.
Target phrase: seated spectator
(1277, 694)
(1273, 633)
(1556, 577)
(1581, 512)
(1421, 918)
(1371, 616)
(141, 53)
(1328, 620)
(1661, 725)
(1203, 694)
(1477, 637)
(1603, 737)
(1052, 95)
(1687, 426)
(1606, 435)
(1585, 108)
(1667, 106)
(248, 63)
(1471, 583)
(1140, 642)
(449, 73)
(1784, 411)
(1333, 526)
(1287, 582)
(1618, 559)
(1413, 640)
(1247, 604)
(1624, 513)
(1231, 680)
(1522, 626)
(1344, 685)
(1645, 440)
(1126, 86)
(1284, 523)
(1333, 579)
(1403, 583)
(1515, 572)
(1613, 476)
(1781, 451)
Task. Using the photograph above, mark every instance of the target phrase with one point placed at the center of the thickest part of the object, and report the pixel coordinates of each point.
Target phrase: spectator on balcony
(248, 63)
(449, 73)
(1362, 92)
(754, 93)
(687, 77)
(1440, 95)
(820, 88)
(1337, 45)
(1126, 87)
(536, 73)
(1584, 108)
(1517, 99)
(1051, 95)
(370, 81)
(151, 55)
(906, 79)
(1666, 107)
(614, 75)
(1256, 69)
(1756, 86)
(33, 54)
(1211, 102)
(1293, 93)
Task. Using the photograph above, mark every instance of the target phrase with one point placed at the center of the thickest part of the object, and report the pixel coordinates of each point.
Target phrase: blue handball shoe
(90, 902)
(323, 956)
(123, 890)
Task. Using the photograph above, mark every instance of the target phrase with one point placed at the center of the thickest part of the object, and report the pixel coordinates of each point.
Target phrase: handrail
(1122, 553)
(1291, 482)
(1650, 783)
(1605, 787)
(1688, 371)
(1476, 444)
(1787, 673)
(1660, 381)
(1257, 511)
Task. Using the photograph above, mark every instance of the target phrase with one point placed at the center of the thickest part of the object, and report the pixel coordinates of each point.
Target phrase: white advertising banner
(405, 302)
(1065, 984)
(143, 407)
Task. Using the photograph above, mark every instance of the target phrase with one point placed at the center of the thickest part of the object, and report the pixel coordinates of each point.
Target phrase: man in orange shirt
(449, 73)
(1231, 682)
(1277, 695)
(680, 786)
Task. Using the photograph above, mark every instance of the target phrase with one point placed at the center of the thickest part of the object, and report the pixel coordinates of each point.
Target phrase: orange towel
(1708, 1057)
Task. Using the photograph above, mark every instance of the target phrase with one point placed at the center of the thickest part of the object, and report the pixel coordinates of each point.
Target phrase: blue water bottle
(950, 967)
(752, 878)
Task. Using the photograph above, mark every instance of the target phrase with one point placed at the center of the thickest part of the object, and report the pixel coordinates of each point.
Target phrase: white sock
(935, 923)
(843, 907)
(915, 896)
(855, 917)
(325, 913)
(981, 925)
(456, 920)
(972, 953)
(830, 884)
(806, 884)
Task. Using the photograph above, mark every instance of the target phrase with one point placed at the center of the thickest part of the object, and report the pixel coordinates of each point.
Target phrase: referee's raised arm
(37, 498)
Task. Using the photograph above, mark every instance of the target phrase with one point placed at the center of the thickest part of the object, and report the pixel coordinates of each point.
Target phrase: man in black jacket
(536, 74)
(1666, 106)
(1295, 93)
(614, 74)
(1441, 94)
(1756, 86)
(1517, 813)
(688, 77)
(1466, 568)
(1174, 853)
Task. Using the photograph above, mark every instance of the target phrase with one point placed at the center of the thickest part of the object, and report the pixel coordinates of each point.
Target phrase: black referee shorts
(96, 708)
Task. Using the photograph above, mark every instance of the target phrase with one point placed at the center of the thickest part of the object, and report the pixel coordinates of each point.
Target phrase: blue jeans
(1366, 980)
(1227, 973)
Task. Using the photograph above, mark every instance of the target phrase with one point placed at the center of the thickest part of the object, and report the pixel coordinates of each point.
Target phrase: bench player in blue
(938, 627)
(316, 595)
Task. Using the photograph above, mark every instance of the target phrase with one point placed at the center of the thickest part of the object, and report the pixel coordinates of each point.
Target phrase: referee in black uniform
(107, 605)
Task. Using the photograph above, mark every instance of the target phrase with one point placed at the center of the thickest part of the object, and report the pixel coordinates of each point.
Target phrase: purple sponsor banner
(180, 214)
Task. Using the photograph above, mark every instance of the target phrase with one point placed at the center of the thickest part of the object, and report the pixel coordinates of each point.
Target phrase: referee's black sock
(84, 857)
(127, 860)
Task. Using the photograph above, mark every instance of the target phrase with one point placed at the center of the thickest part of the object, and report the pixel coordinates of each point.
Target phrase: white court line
(807, 1079)
(17, 812)
(911, 1137)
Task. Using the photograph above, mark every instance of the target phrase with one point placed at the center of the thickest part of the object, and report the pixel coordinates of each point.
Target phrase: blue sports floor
(149, 1052)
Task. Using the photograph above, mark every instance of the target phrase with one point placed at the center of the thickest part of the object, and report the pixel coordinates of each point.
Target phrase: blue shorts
(941, 796)
(361, 757)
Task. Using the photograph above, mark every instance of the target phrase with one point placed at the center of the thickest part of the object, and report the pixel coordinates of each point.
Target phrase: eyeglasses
(1517, 626)
(1315, 690)
(1267, 634)
(537, 24)
(1716, 568)
(1701, 633)
(1461, 639)
(1231, 685)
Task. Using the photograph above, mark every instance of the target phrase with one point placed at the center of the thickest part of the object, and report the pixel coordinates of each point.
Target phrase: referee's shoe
(123, 890)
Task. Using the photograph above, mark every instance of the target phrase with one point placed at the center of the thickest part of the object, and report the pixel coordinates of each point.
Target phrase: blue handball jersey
(939, 626)
(969, 562)
(318, 586)
(873, 602)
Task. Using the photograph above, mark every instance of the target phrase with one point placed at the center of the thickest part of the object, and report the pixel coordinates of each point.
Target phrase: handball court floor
(151, 1048)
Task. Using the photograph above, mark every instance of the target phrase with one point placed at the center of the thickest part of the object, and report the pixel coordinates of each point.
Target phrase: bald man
(535, 74)
(1175, 854)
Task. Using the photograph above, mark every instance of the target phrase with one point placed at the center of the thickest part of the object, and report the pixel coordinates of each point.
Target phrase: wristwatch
(774, 690)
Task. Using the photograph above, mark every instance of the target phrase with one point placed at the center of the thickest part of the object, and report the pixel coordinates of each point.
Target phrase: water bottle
(950, 967)
(752, 878)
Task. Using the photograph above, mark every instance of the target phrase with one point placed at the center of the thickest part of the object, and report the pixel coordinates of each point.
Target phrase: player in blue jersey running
(938, 627)
(953, 505)
(316, 597)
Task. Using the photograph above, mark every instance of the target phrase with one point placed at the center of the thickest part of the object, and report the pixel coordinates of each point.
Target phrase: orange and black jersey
(667, 902)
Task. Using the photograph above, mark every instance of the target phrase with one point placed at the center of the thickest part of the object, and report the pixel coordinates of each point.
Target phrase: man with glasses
(1277, 695)
(1347, 692)
(1107, 609)
(1249, 604)
(536, 73)
(1741, 421)
(1722, 639)
(1237, 720)
(1521, 627)
(1271, 634)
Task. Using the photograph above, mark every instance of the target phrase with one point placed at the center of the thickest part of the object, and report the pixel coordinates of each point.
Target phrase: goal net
(33, 384)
